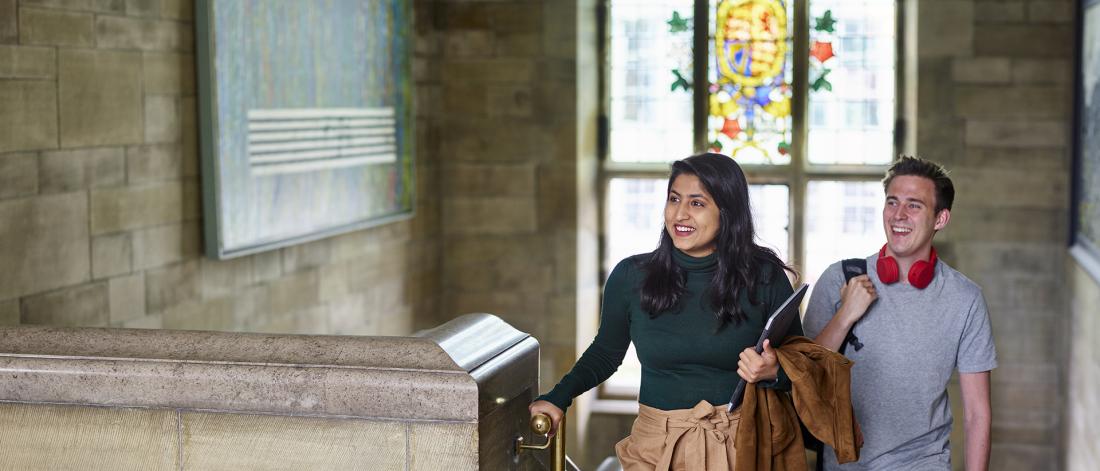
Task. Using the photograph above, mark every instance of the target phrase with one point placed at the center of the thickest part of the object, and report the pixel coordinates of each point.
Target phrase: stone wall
(513, 99)
(100, 205)
(504, 96)
(994, 105)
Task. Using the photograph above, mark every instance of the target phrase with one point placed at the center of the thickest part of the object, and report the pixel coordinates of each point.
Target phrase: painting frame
(306, 125)
(1085, 201)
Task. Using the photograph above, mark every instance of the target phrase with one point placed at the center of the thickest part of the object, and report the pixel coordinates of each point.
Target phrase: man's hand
(755, 367)
(856, 297)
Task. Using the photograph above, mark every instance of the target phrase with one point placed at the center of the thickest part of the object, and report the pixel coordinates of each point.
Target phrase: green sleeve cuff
(555, 397)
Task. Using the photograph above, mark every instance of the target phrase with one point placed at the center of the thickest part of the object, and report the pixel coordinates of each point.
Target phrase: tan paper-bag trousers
(697, 439)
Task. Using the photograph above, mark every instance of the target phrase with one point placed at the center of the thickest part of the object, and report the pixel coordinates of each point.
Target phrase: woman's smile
(691, 216)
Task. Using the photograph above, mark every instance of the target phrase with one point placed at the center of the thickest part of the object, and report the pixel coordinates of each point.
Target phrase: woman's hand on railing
(548, 408)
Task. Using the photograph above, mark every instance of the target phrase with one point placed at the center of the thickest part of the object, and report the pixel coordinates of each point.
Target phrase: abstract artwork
(304, 119)
(1086, 203)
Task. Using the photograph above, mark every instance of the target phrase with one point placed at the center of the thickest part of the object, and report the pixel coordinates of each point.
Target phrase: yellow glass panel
(750, 84)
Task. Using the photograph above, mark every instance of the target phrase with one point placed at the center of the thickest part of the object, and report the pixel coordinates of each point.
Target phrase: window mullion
(798, 134)
(904, 103)
(700, 54)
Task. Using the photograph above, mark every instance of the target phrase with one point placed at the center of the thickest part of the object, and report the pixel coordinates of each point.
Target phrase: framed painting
(305, 120)
(1085, 225)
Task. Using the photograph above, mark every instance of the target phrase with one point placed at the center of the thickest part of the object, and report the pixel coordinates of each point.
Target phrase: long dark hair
(742, 264)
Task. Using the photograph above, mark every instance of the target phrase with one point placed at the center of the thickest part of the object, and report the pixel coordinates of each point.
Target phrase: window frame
(796, 175)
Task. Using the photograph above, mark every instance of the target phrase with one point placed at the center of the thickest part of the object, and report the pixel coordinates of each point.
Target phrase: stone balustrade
(451, 398)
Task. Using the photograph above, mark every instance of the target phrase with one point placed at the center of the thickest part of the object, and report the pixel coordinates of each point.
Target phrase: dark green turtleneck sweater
(683, 359)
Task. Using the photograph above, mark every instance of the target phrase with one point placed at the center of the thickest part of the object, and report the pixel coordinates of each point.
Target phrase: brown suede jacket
(768, 436)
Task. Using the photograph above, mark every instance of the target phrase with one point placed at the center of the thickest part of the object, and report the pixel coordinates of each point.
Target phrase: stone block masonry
(100, 220)
(996, 105)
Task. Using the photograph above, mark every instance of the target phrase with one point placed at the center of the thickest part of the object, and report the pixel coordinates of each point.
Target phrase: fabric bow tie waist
(704, 433)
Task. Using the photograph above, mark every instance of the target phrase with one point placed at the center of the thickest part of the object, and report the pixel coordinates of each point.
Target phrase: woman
(693, 308)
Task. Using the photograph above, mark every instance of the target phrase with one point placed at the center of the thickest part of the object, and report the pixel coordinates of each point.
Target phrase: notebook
(776, 330)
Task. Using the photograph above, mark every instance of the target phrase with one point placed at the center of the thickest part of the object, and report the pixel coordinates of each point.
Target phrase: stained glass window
(750, 87)
(851, 82)
(652, 123)
(813, 169)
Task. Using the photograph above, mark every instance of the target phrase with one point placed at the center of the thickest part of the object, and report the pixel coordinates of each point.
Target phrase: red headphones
(920, 274)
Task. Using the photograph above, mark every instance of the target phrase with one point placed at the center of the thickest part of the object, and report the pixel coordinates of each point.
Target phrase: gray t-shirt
(913, 340)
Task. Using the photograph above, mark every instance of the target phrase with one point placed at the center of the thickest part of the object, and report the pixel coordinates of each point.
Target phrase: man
(915, 321)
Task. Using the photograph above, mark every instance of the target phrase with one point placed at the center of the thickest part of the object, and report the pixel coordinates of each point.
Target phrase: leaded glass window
(851, 82)
(651, 122)
(803, 94)
(750, 88)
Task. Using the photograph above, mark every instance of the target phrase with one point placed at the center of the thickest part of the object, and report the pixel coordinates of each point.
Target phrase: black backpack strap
(852, 268)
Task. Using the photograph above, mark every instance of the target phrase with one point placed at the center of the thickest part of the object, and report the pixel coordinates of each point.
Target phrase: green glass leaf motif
(716, 146)
(826, 23)
(680, 81)
(679, 24)
(822, 81)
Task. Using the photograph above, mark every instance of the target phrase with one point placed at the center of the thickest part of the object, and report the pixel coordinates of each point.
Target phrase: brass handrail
(540, 425)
